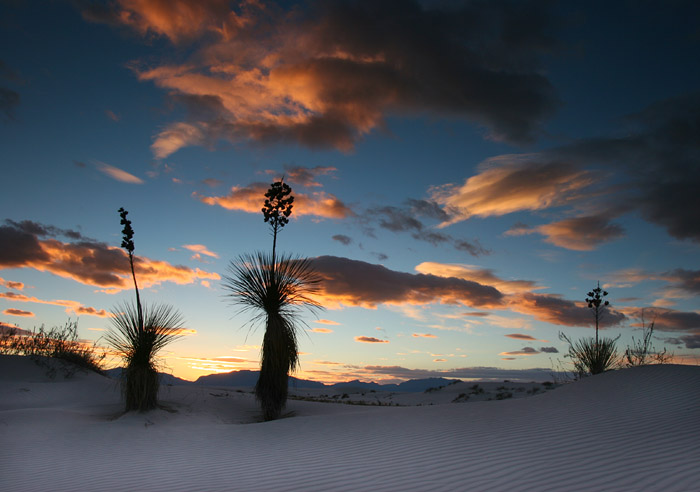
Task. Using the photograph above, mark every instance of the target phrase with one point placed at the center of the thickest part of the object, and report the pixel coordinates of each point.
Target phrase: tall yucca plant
(139, 333)
(275, 292)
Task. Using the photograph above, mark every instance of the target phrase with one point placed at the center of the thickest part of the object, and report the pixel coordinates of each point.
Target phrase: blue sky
(465, 173)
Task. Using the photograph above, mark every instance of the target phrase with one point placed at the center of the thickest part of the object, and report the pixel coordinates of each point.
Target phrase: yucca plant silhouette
(139, 333)
(275, 289)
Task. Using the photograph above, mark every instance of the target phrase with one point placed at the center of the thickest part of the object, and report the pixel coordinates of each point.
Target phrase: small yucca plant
(275, 291)
(139, 333)
(593, 357)
(138, 345)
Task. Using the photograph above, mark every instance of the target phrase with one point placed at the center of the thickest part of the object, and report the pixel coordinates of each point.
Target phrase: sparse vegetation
(642, 352)
(60, 343)
(139, 333)
(476, 389)
(275, 288)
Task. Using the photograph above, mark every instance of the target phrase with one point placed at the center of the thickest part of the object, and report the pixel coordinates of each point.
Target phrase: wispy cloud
(199, 250)
(117, 174)
(71, 306)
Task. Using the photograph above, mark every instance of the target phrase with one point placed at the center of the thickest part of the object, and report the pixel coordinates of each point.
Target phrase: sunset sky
(464, 173)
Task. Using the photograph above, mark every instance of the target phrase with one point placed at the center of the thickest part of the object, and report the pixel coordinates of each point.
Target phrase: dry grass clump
(60, 342)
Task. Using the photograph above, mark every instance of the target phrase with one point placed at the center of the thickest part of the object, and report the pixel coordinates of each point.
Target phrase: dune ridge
(634, 429)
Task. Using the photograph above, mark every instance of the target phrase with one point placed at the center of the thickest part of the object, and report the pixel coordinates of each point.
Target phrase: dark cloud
(306, 176)
(467, 373)
(686, 280)
(523, 351)
(18, 312)
(9, 99)
(553, 309)
(521, 336)
(405, 219)
(354, 282)
(665, 319)
(549, 350)
(42, 230)
(659, 156)
(370, 340)
(324, 74)
(342, 238)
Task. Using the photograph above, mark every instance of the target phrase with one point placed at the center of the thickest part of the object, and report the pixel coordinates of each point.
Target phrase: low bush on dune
(60, 342)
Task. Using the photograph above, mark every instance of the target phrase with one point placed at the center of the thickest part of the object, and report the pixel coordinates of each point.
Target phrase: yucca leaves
(275, 292)
(138, 345)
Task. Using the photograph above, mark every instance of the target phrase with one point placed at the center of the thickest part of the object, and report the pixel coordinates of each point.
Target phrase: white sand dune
(636, 429)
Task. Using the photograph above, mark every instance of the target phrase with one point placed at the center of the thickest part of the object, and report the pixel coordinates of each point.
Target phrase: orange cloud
(370, 340)
(71, 306)
(18, 312)
(508, 184)
(11, 285)
(424, 335)
(472, 273)
(357, 283)
(249, 199)
(90, 262)
(322, 330)
(578, 234)
(327, 322)
(199, 249)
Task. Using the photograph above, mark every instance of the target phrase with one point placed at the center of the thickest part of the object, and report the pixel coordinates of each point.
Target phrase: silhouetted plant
(598, 304)
(275, 292)
(642, 352)
(592, 355)
(275, 289)
(57, 343)
(139, 333)
(138, 345)
(277, 209)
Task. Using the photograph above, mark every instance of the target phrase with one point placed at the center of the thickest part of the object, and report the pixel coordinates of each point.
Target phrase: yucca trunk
(140, 387)
(279, 357)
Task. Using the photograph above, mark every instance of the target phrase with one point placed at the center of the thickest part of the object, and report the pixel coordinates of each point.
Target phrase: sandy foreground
(635, 429)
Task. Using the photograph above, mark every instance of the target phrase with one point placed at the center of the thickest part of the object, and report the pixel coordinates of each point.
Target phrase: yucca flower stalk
(139, 333)
(275, 292)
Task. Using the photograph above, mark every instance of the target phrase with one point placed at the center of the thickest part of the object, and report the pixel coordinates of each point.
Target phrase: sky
(464, 174)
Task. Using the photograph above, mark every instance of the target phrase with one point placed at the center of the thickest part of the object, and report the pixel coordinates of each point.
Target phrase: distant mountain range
(249, 378)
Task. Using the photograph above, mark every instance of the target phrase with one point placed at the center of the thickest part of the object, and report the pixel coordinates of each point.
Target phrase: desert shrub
(477, 390)
(504, 395)
(591, 357)
(642, 352)
(60, 342)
